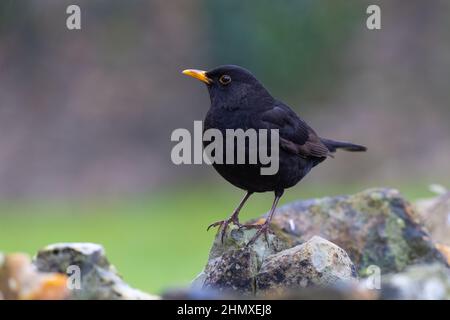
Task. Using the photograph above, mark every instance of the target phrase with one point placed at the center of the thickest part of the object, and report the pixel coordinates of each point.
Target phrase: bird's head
(231, 86)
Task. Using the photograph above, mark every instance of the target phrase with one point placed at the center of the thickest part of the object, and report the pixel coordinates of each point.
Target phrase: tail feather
(347, 146)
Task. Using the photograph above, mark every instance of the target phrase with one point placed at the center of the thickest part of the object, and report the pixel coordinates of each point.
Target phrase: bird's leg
(265, 227)
(234, 217)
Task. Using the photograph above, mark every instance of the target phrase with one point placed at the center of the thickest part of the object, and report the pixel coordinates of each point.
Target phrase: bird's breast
(223, 119)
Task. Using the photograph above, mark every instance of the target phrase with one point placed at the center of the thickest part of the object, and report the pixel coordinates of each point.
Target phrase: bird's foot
(223, 225)
(263, 229)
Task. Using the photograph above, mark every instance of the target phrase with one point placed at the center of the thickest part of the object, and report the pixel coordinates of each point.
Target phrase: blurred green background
(86, 116)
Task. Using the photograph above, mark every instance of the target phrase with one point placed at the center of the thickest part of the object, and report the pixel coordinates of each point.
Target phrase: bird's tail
(347, 146)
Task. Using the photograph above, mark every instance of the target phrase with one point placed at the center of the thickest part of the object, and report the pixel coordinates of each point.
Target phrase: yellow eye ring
(225, 79)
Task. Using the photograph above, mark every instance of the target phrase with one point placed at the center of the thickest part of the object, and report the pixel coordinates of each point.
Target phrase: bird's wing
(295, 135)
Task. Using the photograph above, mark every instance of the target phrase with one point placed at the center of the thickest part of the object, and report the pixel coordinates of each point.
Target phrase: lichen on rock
(317, 262)
(349, 235)
(375, 227)
(232, 266)
(266, 267)
(99, 279)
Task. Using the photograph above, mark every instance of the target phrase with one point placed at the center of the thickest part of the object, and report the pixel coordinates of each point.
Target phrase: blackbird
(240, 101)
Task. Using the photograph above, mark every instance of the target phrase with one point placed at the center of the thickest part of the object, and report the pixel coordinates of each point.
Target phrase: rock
(20, 280)
(234, 270)
(64, 271)
(317, 262)
(352, 235)
(99, 279)
(375, 227)
(423, 282)
(264, 267)
(232, 266)
(435, 213)
(238, 238)
(445, 250)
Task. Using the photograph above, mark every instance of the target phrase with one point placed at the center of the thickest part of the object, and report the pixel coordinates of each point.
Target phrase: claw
(215, 224)
(263, 229)
(223, 224)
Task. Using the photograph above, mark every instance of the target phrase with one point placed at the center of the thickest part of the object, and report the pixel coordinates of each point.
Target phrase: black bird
(240, 101)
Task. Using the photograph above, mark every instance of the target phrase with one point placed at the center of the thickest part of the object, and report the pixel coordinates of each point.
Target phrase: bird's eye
(225, 79)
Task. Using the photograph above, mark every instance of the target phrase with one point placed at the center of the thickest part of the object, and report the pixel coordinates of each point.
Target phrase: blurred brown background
(90, 112)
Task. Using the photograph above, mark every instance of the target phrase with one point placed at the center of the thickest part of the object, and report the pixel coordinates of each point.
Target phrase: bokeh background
(86, 116)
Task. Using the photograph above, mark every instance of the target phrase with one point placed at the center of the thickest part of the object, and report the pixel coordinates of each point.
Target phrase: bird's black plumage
(240, 101)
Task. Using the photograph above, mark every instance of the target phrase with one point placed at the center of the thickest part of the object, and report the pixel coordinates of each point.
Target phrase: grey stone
(422, 282)
(232, 266)
(317, 262)
(375, 227)
(99, 279)
(435, 213)
(250, 270)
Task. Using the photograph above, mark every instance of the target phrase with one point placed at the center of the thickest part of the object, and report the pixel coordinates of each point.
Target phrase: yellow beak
(198, 74)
